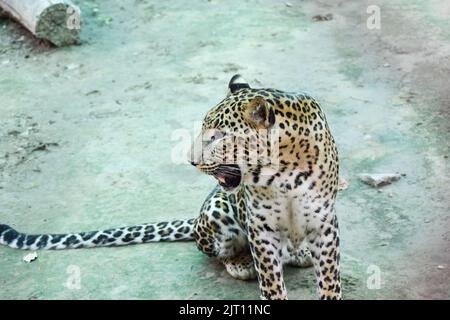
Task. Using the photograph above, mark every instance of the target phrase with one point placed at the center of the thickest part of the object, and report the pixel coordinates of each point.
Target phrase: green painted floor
(116, 104)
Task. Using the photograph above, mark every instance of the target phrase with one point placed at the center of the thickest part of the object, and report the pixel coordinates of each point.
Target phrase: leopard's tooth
(221, 179)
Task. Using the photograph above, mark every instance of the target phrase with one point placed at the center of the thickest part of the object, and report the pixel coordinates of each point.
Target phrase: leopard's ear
(260, 113)
(237, 83)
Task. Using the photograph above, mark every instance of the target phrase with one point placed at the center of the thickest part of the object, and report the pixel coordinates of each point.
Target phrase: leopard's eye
(216, 136)
(212, 136)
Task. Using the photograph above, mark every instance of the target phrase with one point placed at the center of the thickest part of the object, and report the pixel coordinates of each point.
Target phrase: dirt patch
(20, 142)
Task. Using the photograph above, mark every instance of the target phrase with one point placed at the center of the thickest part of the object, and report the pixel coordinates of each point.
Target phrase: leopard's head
(236, 135)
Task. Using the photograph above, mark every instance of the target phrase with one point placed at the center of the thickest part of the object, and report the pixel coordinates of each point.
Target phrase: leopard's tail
(177, 230)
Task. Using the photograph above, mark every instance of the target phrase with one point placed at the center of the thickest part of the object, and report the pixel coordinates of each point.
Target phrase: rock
(379, 179)
(71, 66)
(323, 17)
(343, 184)
(30, 257)
(440, 267)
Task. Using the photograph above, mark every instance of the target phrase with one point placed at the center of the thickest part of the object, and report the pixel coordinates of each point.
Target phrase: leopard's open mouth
(228, 176)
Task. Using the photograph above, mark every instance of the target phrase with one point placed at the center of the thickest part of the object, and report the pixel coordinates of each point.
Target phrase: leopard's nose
(193, 163)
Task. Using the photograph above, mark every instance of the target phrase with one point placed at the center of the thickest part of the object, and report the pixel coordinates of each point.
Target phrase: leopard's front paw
(302, 259)
(241, 267)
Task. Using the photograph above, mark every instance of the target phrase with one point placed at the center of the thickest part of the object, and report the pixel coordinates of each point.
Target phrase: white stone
(379, 179)
(30, 257)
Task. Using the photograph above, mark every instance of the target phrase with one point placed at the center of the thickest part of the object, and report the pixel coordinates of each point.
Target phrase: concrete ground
(87, 132)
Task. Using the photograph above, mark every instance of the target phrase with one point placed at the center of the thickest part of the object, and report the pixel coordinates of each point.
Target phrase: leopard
(277, 171)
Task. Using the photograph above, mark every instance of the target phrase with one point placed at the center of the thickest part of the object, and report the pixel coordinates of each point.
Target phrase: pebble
(30, 257)
(71, 66)
(379, 179)
(343, 184)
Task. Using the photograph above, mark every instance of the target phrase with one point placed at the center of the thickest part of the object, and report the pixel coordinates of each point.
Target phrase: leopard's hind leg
(219, 234)
(241, 267)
